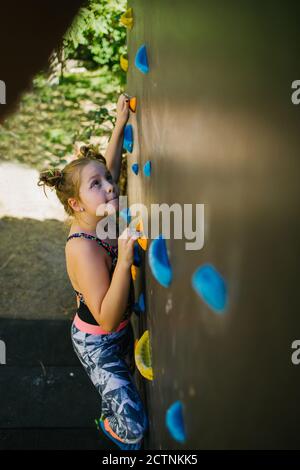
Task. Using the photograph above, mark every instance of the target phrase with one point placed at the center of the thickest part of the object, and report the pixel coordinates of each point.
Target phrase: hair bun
(51, 177)
(90, 151)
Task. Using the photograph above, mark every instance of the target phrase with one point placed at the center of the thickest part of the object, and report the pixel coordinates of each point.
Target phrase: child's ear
(73, 203)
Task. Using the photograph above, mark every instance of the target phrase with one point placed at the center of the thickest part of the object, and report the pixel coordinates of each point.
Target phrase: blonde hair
(67, 181)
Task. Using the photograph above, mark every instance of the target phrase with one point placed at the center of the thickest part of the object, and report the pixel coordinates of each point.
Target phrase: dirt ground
(33, 278)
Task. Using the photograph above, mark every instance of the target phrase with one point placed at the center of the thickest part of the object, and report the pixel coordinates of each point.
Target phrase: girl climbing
(99, 271)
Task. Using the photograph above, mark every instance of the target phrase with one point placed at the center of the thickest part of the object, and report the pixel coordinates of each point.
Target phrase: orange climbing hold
(142, 241)
(132, 104)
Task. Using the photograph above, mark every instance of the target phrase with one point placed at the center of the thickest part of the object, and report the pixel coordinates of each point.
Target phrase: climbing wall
(215, 118)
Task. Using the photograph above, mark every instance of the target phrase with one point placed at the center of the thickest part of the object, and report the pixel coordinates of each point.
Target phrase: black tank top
(83, 311)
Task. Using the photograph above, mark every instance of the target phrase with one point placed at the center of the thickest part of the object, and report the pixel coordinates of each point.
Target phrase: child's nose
(110, 188)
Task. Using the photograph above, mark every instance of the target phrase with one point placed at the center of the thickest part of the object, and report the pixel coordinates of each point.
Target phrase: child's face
(98, 187)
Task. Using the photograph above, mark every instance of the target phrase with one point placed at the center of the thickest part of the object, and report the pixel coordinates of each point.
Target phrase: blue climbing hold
(125, 213)
(128, 138)
(174, 422)
(120, 444)
(142, 302)
(136, 309)
(147, 168)
(141, 59)
(135, 168)
(136, 255)
(140, 305)
(211, 286)
(159, 261)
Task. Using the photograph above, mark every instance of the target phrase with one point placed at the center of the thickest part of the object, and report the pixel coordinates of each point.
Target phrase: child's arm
(106, 299)
(113, 152)
(115, 301)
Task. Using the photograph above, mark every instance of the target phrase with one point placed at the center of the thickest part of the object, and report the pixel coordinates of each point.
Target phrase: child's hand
(125, 247)
(122, 110)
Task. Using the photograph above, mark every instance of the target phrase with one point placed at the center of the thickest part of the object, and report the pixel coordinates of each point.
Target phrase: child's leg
(121, 403)
(103, 360)
(128, 349)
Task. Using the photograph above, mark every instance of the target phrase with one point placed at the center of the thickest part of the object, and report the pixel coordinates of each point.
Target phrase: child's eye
(94, 182)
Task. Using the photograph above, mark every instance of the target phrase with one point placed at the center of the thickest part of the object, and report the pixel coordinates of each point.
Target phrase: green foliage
(52, 118)
(96, 35)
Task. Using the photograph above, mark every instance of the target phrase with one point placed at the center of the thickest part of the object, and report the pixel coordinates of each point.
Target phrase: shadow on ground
(33, 277)
(47, 399)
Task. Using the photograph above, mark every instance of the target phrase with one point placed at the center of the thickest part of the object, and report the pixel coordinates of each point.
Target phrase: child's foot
(121, 445)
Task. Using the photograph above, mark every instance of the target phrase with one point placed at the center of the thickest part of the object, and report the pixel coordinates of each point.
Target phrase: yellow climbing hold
(133, 272)
(127, 18)
(124, 63)
(142, 356)
(142, 241)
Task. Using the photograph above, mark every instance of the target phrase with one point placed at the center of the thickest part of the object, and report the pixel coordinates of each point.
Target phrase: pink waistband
(95, 329)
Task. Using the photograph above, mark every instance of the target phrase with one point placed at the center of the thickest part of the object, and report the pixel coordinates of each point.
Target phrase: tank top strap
(112, 250)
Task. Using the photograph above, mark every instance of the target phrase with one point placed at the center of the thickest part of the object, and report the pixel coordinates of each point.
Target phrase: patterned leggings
(107, 359)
